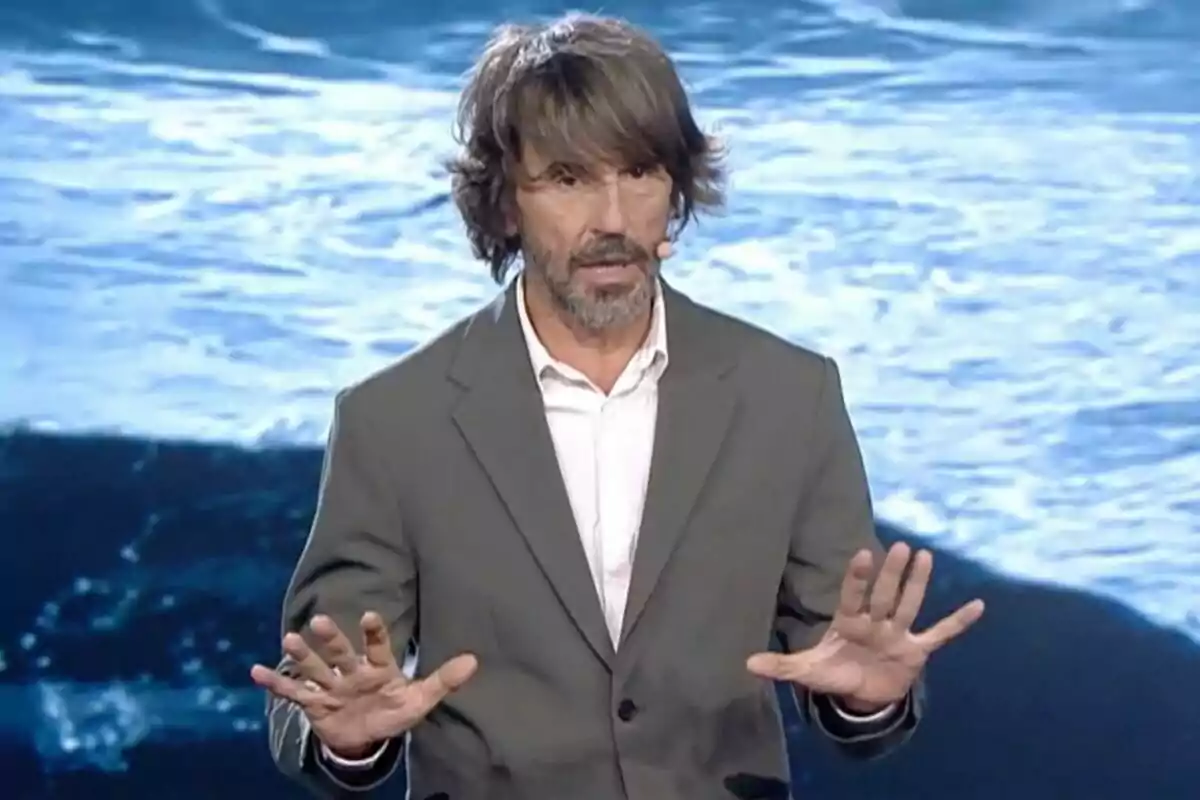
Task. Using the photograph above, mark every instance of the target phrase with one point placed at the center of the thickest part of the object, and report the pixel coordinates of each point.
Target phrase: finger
(282, 686)
(779, 666)
(334, 645)
(377, 645)
(913, 595)
(446, 679)
(854, 585)
(887, 583)
(952, 626)
(664, 250)
(308, 664)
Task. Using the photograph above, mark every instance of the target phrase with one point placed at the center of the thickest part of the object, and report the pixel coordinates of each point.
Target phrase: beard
(599, 308)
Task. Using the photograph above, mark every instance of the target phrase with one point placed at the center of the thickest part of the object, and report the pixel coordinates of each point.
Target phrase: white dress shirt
(603, 443)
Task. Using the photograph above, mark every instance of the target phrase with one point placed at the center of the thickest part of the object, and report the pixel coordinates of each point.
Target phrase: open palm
(869, 655)
(353, 703)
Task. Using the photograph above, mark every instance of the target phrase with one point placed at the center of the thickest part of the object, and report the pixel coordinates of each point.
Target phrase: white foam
(1005, 276)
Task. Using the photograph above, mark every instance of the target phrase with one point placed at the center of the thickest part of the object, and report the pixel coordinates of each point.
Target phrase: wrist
(352, 753)
(863, 707)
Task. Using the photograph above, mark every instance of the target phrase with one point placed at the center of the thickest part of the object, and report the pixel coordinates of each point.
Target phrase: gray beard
(597, 312)
(603, 311)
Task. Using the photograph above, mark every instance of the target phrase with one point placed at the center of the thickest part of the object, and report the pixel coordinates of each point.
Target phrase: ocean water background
(214, 214)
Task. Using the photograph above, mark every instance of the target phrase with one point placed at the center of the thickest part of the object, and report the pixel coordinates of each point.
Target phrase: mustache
(610, 250)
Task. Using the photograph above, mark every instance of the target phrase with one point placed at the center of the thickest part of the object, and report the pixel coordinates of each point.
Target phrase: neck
(599, 355)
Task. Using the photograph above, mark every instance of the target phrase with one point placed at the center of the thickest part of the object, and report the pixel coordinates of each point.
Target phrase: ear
(510, 214)
(664, 250)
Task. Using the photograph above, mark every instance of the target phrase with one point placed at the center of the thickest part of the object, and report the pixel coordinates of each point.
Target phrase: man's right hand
(355, 703)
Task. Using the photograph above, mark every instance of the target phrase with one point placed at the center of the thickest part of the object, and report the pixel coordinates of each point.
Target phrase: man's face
(590, 232)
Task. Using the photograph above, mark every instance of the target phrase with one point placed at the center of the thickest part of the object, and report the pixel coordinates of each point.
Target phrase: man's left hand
(869, 657)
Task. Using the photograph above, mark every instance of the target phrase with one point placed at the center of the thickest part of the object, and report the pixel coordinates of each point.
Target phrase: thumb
(777, 666)
(448, 678)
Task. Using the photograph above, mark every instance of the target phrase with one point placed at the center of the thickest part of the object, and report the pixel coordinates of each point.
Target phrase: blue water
(213, 215)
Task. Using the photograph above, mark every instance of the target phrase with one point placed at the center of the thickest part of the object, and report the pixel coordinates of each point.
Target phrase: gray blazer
(442, 507)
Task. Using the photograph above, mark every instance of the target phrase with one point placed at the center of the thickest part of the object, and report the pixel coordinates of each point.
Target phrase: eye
(562, 175)
(640, 171)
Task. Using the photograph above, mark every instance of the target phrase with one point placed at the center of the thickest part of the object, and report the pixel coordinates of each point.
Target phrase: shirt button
(626, 710)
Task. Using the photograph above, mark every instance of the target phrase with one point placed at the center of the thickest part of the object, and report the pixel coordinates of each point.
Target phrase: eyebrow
(561, 166)
(581, 168)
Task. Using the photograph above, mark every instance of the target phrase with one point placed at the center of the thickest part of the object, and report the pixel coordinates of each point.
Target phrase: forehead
(535, 160)
(580, 115)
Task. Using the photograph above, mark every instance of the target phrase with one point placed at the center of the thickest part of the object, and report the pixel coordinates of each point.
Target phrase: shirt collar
(651, 355)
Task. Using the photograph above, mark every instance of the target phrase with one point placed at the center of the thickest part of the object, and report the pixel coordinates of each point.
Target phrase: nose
(610, 213)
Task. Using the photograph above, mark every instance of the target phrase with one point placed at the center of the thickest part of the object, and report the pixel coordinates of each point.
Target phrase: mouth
(604, 271)
(611, 263)
(609, 266)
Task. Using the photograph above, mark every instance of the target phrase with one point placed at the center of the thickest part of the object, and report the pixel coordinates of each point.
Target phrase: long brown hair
(580, 88)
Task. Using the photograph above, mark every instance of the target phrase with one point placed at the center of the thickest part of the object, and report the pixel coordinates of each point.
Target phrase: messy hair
(582, 88)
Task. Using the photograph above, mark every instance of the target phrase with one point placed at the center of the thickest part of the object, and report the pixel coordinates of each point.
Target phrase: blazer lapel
(695, 407)
(502, 418)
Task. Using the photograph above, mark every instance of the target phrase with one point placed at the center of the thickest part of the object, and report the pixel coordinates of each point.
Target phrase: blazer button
(626, 710)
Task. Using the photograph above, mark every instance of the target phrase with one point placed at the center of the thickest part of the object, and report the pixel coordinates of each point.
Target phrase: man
(594, 501)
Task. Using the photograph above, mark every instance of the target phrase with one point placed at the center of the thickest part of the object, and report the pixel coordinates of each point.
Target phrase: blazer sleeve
(834, 520)
(356, 559)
